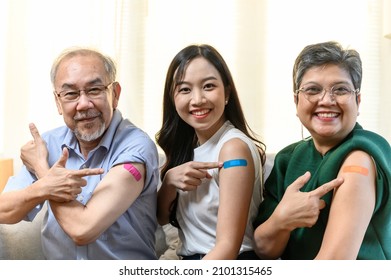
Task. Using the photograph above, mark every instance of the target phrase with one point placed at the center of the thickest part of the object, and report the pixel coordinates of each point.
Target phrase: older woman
(353, 221)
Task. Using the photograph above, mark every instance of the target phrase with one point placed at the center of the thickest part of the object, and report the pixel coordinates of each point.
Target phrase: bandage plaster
(356, 169)
(133, 170)
(234, 162)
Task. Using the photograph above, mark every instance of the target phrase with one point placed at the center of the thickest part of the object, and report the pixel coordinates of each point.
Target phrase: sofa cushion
(22, 241)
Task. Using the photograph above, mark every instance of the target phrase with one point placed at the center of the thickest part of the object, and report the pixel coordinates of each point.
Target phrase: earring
(226, 102)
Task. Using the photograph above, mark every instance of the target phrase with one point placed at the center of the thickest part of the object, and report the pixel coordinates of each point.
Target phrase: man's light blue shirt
(132, 236)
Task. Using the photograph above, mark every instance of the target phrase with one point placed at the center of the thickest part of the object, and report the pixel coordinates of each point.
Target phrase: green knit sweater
(294, 160)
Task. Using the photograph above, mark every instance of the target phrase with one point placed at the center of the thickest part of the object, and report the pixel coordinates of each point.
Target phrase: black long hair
(176, 137)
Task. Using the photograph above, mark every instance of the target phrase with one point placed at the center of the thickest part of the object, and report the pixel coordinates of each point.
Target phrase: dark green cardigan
(294, 160)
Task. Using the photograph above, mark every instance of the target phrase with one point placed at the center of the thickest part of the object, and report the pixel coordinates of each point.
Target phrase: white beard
(90, 137)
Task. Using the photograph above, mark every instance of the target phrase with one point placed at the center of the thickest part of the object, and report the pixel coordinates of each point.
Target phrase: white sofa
(22, 241)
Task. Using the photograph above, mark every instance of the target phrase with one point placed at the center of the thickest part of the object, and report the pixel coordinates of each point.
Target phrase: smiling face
(328, 121)
(200, 98)
(87, 118)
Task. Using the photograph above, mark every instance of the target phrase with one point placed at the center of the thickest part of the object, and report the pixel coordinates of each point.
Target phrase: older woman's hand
(301, 209)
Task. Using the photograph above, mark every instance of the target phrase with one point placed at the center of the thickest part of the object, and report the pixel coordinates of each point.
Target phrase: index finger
(206, 165)
(34, 132)
(325, 188)
(88, 172)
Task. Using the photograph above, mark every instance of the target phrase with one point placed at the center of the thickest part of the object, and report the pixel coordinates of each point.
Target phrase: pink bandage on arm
(133, 170)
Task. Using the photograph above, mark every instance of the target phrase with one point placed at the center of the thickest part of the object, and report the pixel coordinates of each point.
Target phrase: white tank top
(197, 210)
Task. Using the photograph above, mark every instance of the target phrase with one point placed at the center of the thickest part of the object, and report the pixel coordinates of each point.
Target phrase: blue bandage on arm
(234, 162)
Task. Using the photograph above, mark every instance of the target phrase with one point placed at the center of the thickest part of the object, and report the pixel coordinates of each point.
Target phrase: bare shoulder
(359, 166)
(234, 147)
(359, 158)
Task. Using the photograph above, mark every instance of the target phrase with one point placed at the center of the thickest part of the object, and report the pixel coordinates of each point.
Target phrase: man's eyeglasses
(339, 93)
(93, 92)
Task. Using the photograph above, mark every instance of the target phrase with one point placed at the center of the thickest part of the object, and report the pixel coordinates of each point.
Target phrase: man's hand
(301, 209)
(34, 153)
(63, 185)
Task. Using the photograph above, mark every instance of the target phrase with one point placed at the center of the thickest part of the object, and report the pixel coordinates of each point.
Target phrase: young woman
(212, 177)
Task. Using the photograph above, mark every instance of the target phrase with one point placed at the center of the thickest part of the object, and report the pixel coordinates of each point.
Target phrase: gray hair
(108, 63)
(327, 53)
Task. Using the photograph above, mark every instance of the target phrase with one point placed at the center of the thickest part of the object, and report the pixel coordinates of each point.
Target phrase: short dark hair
(327, 53)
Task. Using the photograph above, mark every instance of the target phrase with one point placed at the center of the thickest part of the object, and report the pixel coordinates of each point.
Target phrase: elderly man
(97, 174)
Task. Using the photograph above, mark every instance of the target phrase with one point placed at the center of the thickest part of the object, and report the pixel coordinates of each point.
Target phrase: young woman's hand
(188, 176)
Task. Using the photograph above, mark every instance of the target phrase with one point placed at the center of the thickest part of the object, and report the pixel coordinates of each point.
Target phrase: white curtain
(258, 38)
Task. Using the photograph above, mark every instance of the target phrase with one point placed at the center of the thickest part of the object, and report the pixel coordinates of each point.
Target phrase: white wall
(258, 38)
